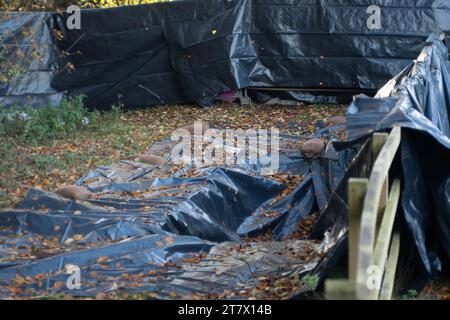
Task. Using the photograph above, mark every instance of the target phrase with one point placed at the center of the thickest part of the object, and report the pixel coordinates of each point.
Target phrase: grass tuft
(38, 125)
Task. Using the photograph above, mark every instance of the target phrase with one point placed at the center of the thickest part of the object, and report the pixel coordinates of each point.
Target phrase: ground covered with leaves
(60, 147)
(60, 155)
(48, 148)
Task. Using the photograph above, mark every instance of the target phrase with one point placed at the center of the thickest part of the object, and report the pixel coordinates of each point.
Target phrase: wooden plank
(383, 201)
(339, 290)
(385, 234)
(356, 193)
(370, 210)
(391, 268)
(378, 142)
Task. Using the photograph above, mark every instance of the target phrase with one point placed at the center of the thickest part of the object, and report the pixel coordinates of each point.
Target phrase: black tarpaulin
(194, 232)
(418, 100)
(303, 44)
(186, 51)
(28, 49)
(202, 232)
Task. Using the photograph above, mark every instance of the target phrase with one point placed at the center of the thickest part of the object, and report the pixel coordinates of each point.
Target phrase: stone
(313, 148)
(74, 193)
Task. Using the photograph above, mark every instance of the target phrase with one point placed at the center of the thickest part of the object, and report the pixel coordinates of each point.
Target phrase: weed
(32, 126)
(410, 294)
(311, 282)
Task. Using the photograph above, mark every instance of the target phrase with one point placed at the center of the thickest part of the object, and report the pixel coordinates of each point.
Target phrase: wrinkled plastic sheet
(184, 233)
(185, 51)
(418, 100)
(267, 44)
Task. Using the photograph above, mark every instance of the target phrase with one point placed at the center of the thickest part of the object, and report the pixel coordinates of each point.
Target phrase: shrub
(33, 126)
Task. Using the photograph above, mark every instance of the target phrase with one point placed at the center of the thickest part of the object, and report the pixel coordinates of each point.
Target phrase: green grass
(51, 146)
(32, 126)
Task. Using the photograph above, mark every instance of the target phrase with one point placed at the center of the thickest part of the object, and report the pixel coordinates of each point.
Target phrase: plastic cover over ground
(184, 231)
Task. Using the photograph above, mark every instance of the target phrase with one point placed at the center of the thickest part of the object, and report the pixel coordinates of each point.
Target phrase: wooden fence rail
(374, 243)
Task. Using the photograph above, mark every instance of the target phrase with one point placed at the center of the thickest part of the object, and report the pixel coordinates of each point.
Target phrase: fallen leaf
(78, 237)
(169, 240)
(58, 285)
(102, 259)
(101, 296)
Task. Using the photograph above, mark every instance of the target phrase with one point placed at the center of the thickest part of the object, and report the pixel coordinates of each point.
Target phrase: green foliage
(61, 5)
(34, 5)
(115, 3)
(31, 125)
(410, 294)
(311, 282)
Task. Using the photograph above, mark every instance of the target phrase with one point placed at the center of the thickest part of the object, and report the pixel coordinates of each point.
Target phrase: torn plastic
(184, 51)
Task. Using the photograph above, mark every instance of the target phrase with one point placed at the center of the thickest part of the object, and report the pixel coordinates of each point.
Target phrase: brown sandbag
(74, 192)
(152, 159)
(313, 148)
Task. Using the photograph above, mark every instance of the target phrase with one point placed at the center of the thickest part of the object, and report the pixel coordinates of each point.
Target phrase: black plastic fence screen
(186, 51)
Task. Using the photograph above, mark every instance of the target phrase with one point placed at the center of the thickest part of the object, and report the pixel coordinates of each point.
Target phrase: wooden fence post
(369, 216)
(372, 210)
(357, 188)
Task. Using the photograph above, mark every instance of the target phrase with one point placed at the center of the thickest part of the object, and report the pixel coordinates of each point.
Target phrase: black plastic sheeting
(418, 100)
(187, 51)
(198, 232)
(27, 46)
(188, 233)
